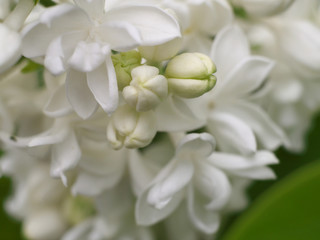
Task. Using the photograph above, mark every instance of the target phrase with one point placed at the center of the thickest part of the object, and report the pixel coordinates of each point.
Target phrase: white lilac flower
(199, 175)
(184, 175)
(79, 39)
(235, 120)
(289, 95)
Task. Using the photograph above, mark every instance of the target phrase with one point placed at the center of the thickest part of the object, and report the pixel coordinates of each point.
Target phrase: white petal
(103, 84)
(87, 56)
(95, 9)
(102, 160)
(258, 173)
(58, 104)
(214, 184)
(124, 36)
(141, 175)
(155, 25)
(55, 134)
(147, 215)
(247, 76)
(231, 133)
(171, 180)
(54, 57)
(229, 48)
(65, 155)
(53, 22)
(211, 16)
(15, 141)
(65, 17)
(10, 47)
(267, 132)
(237, 162)
(297, 35)
(199, 145)
(79, 94)
(164, 193)
(60, 49)
(204, 220)
(93, 185)
(197, 42)
(173, 114)
(31, 35)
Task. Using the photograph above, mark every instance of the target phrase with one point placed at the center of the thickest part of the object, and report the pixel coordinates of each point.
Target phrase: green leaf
(288, 211)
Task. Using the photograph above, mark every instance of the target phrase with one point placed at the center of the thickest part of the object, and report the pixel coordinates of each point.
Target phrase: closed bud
(190, 75)
(146, 89)
(123, 64)
(130, 128)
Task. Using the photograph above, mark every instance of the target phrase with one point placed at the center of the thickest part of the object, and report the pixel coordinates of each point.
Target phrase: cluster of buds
(187, 75)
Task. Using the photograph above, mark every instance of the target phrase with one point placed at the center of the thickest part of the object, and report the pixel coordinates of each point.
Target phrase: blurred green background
(285, 209)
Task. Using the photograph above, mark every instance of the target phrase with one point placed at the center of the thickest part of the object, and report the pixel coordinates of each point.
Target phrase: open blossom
(200, 175)
(78, 39)
(235, 120)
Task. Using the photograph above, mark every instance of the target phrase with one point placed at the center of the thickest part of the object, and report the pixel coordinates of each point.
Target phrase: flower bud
(190, 75)
(146, 89)
(161, 52)
(130, 128)
(123, 64)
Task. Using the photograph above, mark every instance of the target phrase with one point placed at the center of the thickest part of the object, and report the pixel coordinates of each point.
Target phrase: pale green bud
(147, 88)
(161, 52)
(123, 64)
(190, 75)
(130, 128)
